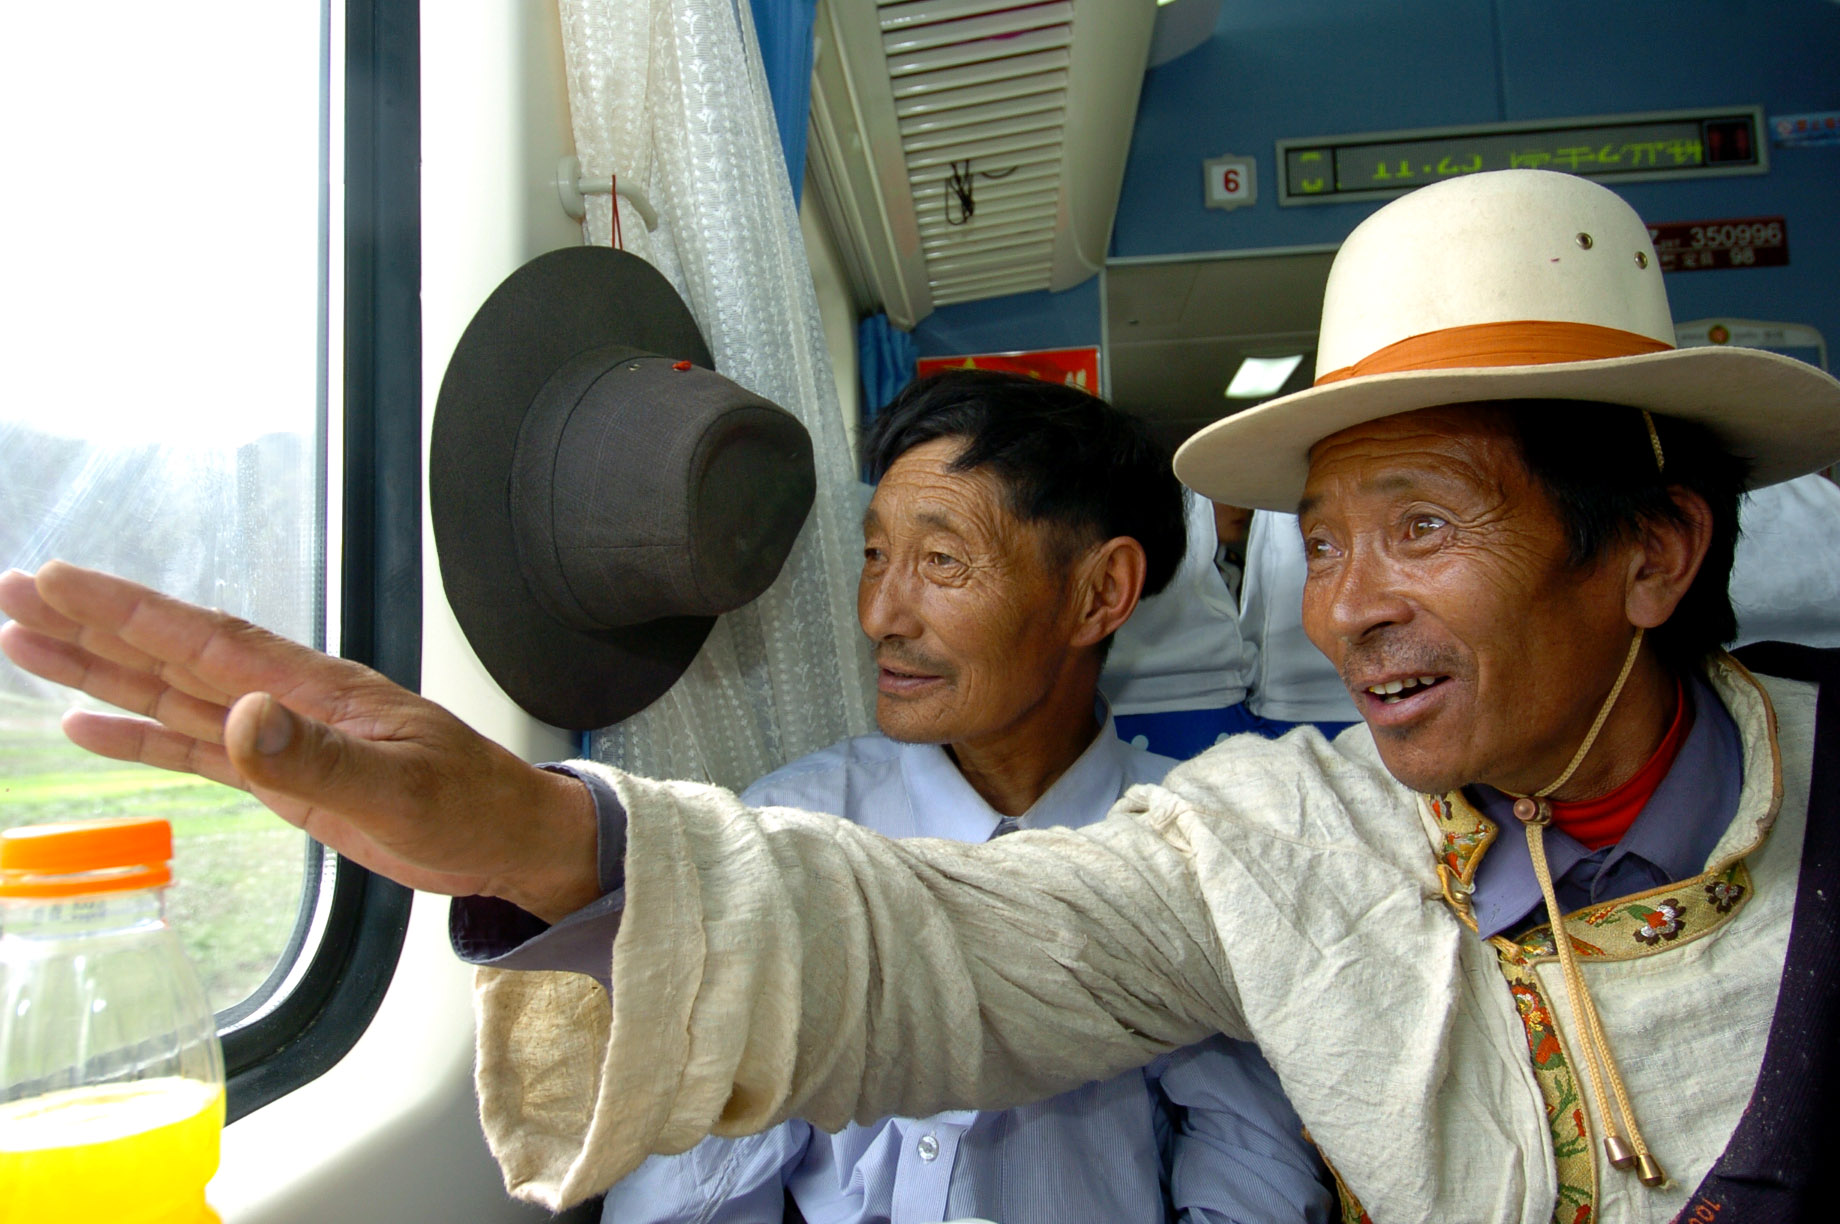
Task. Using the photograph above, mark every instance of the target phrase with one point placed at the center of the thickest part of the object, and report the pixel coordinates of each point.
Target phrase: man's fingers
(19, 599)
(135, 739)
(204, 652)
(111, 648)
(134, 691)
(57, 661)
(329, 745)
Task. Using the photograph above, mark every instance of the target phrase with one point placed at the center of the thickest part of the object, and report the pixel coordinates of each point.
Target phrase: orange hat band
(1524, 342)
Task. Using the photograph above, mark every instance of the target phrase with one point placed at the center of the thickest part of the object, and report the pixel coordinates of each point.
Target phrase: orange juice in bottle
(111, 1079)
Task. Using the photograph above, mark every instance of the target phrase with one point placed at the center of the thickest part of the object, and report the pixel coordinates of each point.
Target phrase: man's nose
(1361, 595)
(885, 606)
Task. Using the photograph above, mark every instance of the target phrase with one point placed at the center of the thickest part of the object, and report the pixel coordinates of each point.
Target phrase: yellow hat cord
(1535, 814)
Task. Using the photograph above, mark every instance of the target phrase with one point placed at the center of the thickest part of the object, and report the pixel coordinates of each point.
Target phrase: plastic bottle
(111, 1079)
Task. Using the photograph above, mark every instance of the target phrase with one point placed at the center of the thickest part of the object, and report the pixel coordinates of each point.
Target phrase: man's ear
(1667, 559)
(1109, 581)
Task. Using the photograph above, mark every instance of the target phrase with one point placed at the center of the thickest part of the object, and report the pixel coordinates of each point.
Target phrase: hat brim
(1781, 414)
(552, 309)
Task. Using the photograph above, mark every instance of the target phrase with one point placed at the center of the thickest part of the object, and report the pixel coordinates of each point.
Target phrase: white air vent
(969, 149)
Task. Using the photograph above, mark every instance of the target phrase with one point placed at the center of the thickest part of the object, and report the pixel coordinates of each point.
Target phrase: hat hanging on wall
(599, 494)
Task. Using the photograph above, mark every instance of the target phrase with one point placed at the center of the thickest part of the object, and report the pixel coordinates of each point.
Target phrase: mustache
(894, 654)
(1394, 656)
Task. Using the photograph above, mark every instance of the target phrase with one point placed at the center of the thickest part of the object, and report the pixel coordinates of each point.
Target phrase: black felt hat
(599, 494)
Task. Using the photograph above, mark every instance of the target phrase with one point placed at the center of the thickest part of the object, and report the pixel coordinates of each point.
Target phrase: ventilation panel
(967, 149)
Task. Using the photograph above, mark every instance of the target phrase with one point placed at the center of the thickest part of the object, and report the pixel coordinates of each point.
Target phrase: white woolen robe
(776, 963)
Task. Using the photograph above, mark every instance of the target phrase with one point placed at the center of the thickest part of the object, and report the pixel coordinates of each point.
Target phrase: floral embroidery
(1564, 1104)
(1542, 1041)
(1662, 922)
(1539, 944)
(1724, 894)
(1565, 1097)
(1645, 924)
(1458, 847)
(1464, 833)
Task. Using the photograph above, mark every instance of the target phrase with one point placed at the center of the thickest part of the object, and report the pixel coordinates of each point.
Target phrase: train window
(182, 406)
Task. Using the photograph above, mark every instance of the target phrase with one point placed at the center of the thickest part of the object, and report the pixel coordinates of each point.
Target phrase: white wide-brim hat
(1514, 284)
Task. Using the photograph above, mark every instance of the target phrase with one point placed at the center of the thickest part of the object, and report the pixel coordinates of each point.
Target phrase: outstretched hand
(375, 772)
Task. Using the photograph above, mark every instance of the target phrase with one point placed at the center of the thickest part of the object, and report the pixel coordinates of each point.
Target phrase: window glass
(163, 413)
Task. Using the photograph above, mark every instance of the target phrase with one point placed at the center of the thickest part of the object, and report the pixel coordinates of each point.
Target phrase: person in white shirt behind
(1178, 670)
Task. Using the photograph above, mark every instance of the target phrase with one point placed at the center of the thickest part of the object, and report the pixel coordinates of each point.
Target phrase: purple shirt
(488, 931)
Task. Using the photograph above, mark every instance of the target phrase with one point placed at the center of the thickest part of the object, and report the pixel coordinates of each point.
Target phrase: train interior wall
(1332, 67)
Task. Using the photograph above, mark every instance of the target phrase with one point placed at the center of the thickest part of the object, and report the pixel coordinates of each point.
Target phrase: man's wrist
(563, 874)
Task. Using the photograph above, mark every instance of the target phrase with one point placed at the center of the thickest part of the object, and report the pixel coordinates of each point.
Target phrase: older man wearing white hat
(1518, 503)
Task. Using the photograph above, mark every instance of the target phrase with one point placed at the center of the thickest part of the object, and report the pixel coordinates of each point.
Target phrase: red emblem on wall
(1074, 367)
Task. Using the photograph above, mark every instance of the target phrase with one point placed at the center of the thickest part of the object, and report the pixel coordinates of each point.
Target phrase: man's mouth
(896, 681)
(1392, 692)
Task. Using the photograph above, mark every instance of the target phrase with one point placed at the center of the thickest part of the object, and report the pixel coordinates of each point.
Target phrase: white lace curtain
(670, 96)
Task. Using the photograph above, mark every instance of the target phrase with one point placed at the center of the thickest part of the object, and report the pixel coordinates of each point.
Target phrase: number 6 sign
(1228, 182)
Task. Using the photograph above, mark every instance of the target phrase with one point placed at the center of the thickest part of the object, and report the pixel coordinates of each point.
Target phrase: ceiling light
(1258, 377)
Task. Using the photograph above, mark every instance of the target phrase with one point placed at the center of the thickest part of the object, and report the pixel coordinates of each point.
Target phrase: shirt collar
(1675, 832)
(1081, 795)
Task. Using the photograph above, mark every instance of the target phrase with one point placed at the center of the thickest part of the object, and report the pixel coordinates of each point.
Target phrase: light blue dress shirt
(1203, 1134)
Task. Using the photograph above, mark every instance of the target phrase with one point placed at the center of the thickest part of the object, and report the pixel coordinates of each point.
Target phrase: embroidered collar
(1716, 884)
(1674, 834)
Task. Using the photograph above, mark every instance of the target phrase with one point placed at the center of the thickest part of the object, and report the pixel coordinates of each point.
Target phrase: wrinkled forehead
(1458, 442)
(923, 487)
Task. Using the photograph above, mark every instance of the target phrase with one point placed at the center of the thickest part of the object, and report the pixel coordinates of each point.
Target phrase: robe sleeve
(773, 963)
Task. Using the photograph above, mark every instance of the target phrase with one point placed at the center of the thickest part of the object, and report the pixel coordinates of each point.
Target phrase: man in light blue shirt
(1013, 529)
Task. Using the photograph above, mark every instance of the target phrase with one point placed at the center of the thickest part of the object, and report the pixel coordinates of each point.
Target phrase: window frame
(272, 1047)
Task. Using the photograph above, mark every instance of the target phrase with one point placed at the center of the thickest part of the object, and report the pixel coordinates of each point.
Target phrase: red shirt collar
(1596, 823)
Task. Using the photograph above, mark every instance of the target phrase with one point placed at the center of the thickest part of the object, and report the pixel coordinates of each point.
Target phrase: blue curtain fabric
(886, 356)
(784, 30)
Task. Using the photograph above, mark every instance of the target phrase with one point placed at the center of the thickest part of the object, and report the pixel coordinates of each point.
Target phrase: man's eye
(1314, 547)
(872, 554)
(1423, 525)
(943, 559)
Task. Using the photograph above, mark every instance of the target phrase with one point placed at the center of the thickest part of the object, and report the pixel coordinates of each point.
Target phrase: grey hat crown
(599, 494)
(643, 488)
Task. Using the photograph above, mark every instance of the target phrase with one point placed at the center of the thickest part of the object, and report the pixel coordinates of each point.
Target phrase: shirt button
(928, 1147)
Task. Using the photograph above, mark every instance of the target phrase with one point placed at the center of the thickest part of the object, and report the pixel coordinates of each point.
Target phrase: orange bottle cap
(67, 860)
